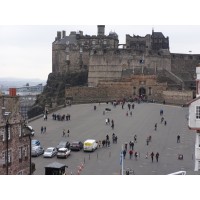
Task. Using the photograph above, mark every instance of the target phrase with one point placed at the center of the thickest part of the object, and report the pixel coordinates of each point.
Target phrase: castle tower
(101, 30)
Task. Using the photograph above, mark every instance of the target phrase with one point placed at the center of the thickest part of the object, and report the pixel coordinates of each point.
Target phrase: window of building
(197, 112)
(3, 157)
(4, 134)
(94, 42)
(26, 151)
(20, 130)
(9, 156)
(20, 153)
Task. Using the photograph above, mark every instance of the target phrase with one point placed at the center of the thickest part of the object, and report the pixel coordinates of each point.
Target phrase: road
(87, 123)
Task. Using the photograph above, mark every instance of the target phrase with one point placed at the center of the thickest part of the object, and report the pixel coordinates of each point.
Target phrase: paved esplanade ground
(86, 123)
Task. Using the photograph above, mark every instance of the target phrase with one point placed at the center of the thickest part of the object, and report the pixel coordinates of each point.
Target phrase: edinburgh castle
(96, 68)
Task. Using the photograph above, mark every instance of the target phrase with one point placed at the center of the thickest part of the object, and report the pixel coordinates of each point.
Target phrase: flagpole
(122, 161)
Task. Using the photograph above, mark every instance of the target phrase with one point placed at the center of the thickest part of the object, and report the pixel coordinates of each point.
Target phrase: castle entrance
(142, 92)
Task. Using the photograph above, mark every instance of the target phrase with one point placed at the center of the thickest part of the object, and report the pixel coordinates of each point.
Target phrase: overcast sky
(26, 51)
(26, 35)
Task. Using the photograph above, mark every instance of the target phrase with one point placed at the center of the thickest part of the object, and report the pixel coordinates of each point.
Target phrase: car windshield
(49, 150)
(34, 142)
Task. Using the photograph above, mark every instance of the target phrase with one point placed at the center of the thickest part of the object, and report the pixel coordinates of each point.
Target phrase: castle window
(134, 91)
(150, 91)
(104, 42)
(93, 42)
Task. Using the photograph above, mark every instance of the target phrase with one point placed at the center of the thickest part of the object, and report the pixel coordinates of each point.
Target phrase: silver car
(37, 151)
(50, 152)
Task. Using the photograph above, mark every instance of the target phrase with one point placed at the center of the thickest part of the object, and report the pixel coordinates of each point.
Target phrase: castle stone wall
(177, 97)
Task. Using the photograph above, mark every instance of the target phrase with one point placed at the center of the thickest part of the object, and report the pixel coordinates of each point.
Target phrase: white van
(90, 145)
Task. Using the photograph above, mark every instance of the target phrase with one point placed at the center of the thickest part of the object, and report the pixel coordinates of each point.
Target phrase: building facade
(15, 141)
(105, 59)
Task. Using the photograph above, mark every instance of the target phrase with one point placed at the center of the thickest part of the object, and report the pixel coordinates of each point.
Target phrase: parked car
(35, 143)
(63, 153)
(63, 144)
(76, 145)
(50, 152)
(90, 145)
(31, 130)
(37, 151)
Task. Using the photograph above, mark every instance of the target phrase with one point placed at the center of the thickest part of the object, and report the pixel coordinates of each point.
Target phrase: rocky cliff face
(54, 92)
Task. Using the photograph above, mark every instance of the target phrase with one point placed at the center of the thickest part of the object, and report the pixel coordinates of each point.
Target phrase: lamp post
(7, 125)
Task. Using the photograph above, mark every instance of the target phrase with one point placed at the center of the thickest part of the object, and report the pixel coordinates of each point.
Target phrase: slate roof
(158, 35)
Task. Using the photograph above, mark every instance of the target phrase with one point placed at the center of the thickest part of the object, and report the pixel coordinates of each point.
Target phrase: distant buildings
(27, 96)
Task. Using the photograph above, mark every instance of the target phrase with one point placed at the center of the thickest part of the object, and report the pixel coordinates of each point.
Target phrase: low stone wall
(177, 97)
(98, 94)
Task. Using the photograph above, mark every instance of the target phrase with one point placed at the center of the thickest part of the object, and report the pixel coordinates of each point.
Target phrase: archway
(142, 92)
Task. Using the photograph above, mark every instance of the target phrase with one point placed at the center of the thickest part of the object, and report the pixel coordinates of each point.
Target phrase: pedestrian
(135, 138)
(178, 138)
(146, 156)
(157, 156)
(132, 145)
(68, 133)
(116, 139)
(106, 121)
(99, 143)
(130, 153)
(124, 153)
(64, 133)
(131, 113)
(155, 126)
(126, 146)
(147, 141)
(165, 123)
(45, 129)
(113, 138)
(136, 155)
(150, 138)
(152, 155)
(42, 129)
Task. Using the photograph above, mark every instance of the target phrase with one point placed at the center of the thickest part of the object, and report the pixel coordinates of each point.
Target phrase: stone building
(15, 141)
(105, 60)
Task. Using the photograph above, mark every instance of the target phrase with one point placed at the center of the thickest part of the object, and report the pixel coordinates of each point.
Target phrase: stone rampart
(177, 97)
